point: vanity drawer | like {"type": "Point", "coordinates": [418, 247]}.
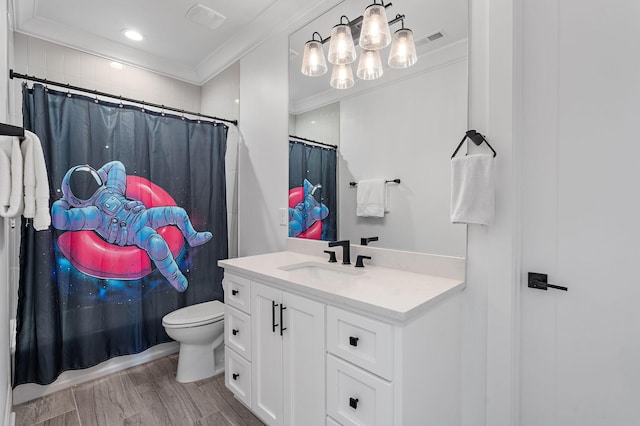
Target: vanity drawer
{"type": "Point", "coordinates": [355, 397]}
{"type": "Point", "coordinates": [237, 331]}
{"type": "Point", "coordinates": [237, 376]}
{"type": "Point", "coordinates": [237, 292]}
{"type": "Point", "coordinates": [364, 341]}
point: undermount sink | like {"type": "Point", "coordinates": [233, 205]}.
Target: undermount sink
{"type": "Point", "coordinates": [321, 271]}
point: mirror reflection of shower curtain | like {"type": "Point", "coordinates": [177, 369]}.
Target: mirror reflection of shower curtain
{"type": "Point", "coordinates": [97, 283]}
{"type": "Point", "coordinates": [312, 191]}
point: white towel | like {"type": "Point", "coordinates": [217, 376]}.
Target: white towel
{"type": "Point", "coordinates": [371, 198]}
{"type": "Point", "coordinates": [36, 182]}
{"type": "Point", "coordinates": [472, 189]}
{"type": "Point", "coordinates": [10, 177]}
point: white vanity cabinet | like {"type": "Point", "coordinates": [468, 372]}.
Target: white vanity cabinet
{"type": "Point", "coordinates": [280, 372]}
{"type": "Point", "coordinates": [379, 349]}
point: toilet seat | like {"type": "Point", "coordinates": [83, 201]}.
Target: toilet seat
{"type": "Point", "coordinates": [195, 315]}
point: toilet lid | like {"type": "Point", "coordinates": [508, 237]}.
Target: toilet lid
{"type": "Point", "coordinates": [198, 314]}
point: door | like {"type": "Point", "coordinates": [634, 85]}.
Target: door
{"type": "Point", "coordinates": [266, 355]}
{"type": "Point", "coordinates": [303, 361]}
{"type": "Point", "coordinates": [580, 349]}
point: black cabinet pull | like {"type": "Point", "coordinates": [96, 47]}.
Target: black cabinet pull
{"type": "Point", "coordinates": [234, 292]}
{"type": "Point", "coordinates": [235, 376]}
{"type": "Point", "coordinates": [235, 331]}
{"type": "Point", "coordinates": [282, 308]}
{"type": "Point", "coordinates": [353, 403]}
{"type": "Point", "coordinates": [353, 341]}
{"type": "Point", "coordinates": [273, 316]}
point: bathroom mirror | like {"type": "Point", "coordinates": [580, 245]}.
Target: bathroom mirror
{"type": "Point", "coordinates": [403, 125]}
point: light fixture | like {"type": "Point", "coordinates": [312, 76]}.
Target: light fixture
{"type": "Point", "coordinates": [342, 77]}
{"type": "Point", "coordinates": [313, 63]}
{"type": "Point", "coordinates": [132, 35]}
{"type": "Point", "coordinates": [371, 32]}
{"type": "Point", "coordinates": [116, 65]}
{"type": "Point", "coordinates": [375, 34]}
{"type": "Point", "coordinates": [403, 49]}
{"type": "Point", "coordinates": [370, 65]}
{"type": "Point", "coordinates": [341, 48]}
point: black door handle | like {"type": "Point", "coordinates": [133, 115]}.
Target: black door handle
{"type": "Point", "coordinates": [282, 308]}
{"type": "Point", "coordinates": [353, 403]}
{"type": "Point", "coordinates": [273, 316]}
{"type": "Point", "coordinates": [353, 341]}
{"type": "Point", "coordinates": [539, 281]}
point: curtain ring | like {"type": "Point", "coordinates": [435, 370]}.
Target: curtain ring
{"type": "Point", "coordinates": [120, 104]}
{"type": "Point", "coordinates": [183, 115]}
{"type": "Point", "coordinates": [143, 104]}
{"type": "Point", "coordinates": [162, 111]}
{"type": "Point", "coordinates": [96, 99]}
{"type": "Point", "coordinates": [46, 88]}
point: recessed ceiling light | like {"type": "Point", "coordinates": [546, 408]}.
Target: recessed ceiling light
{"type": "Point", "coordinates": [132, 35]}
{"type": "Point", "coordinates": [117, 65]}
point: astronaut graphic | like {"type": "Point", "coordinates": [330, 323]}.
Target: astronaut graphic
{"type": "Point", "coordinates": [95, 200]}
{"type": "Point", "coordinates": [307, 211]}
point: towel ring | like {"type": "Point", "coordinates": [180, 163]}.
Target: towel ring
{"type": "Point", "coordinates": [477, 139]}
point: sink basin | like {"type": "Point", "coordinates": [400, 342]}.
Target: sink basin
{"type": "Point", "coordinates": [321, 271]}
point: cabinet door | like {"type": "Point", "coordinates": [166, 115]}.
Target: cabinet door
{"type": "Point", "coordinates": [266, 354]}
{"type": "Point", "coordinates": [303, 361]}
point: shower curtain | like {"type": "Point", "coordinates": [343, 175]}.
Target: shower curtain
{"type": "Point", "coordinates": [312, 191]}
{"type": "Point", "coordinates": [139, 222]}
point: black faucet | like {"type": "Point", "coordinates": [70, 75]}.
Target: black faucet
{"type": "Point", "coordinates": [359, 263]}
{"type": "Point", "coordinates": [346, 257]}
{"type": "Point", "coordinates": [366, 241]}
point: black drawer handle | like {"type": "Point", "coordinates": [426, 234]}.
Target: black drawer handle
{"type": "Point", "coordinates": [234, 292]}
{"type": "Point", "coordinates": [235, 376]}
{"type": "Point", "coordinates": [235, 331]}
{"type": "Point", "coordinates": [282, 329]}
{"type": "Point", "coordinates": [273, 316]}
{"type": "Point", "coordinates": [353, 341]}
{"type": "Point", "coordinates": [353, 403]}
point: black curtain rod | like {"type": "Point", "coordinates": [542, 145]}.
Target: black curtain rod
{"type": "Point", "coordinates": [312, 141]}
{"type": "Point", "coordinates": [109, 95]}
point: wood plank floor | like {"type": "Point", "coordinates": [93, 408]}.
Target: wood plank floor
{"type": "Point", "coordinates": [147, 395]}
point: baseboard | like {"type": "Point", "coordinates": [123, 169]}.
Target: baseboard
{"type": "Point", "coordinates": [30, 391]}
{"type": "Point", "coordinates": [9, 417]}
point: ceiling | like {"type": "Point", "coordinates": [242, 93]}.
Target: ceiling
{"type": "Point", "coordinates": [172, 45]}
{"type": "Point", "coordinates": [423, 17]}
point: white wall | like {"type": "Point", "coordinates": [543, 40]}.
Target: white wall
{"type": "Point", "coordinates": [321, 124]}
{"type": "Point", "coordinates": [263, 161]}
{"type": "Point", "coordinates": [220, 97]}
{"type": "Point", "coordinates": [405, 130]}
{"type": "Point", "coordinates": [5, 360]}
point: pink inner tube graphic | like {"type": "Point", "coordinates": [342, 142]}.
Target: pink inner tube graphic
{"type": "Point", "coordinates": [314, 232]}
{"type": "Point", "coordinates": [90, 254]}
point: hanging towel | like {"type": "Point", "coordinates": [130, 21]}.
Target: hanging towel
{"type": "Point", "coordinates": [10, 177]}
{"type": "Point", "coordinates": [371, 198]}
{"type": "Point", "coordinates": [472, 192]}
{"type": "Point", "coordinates": [36, 182]}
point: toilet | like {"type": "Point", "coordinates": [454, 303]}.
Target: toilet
{"type": "Point", "coordinates": [199, 329]}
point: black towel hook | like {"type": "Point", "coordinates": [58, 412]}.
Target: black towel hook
{"type": "Point", "coordinates": [477, 139]}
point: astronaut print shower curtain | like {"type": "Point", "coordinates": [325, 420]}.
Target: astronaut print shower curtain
{"type": "Point", "coordinates": [139, 221]}
{"type": "Point", "coordinates": [312, 191]}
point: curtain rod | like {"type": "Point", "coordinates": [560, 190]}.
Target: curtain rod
{"type": "Point", "coordinates": [312, 141]}
{"type": "Point", "coordinates": [109, 95]}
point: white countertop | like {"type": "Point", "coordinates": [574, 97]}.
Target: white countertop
{"type": "Point", "coordinates": [392, 293]}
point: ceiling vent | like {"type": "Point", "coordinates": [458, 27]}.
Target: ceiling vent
{"type": "Point", "coordinates": [202, 15]}
{"type": "Point", "coordinates": [435, 36]}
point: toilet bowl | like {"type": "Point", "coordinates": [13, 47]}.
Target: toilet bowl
{"type": "Point", "coordinates": [199, 329]}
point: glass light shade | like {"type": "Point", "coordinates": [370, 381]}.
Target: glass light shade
{"type": "Point", "coordinates": [375, 34]}
{"type": "Point", "coordinates": [403, 49]}
{"type": "Point", "coordinates": [370, 66]}
{"type": "Point", "coordinates": [342, 76]}
{"type": "Point", "coordinates": [313, 62]}
{"type": "Point", "coordinates": [341, 48]}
